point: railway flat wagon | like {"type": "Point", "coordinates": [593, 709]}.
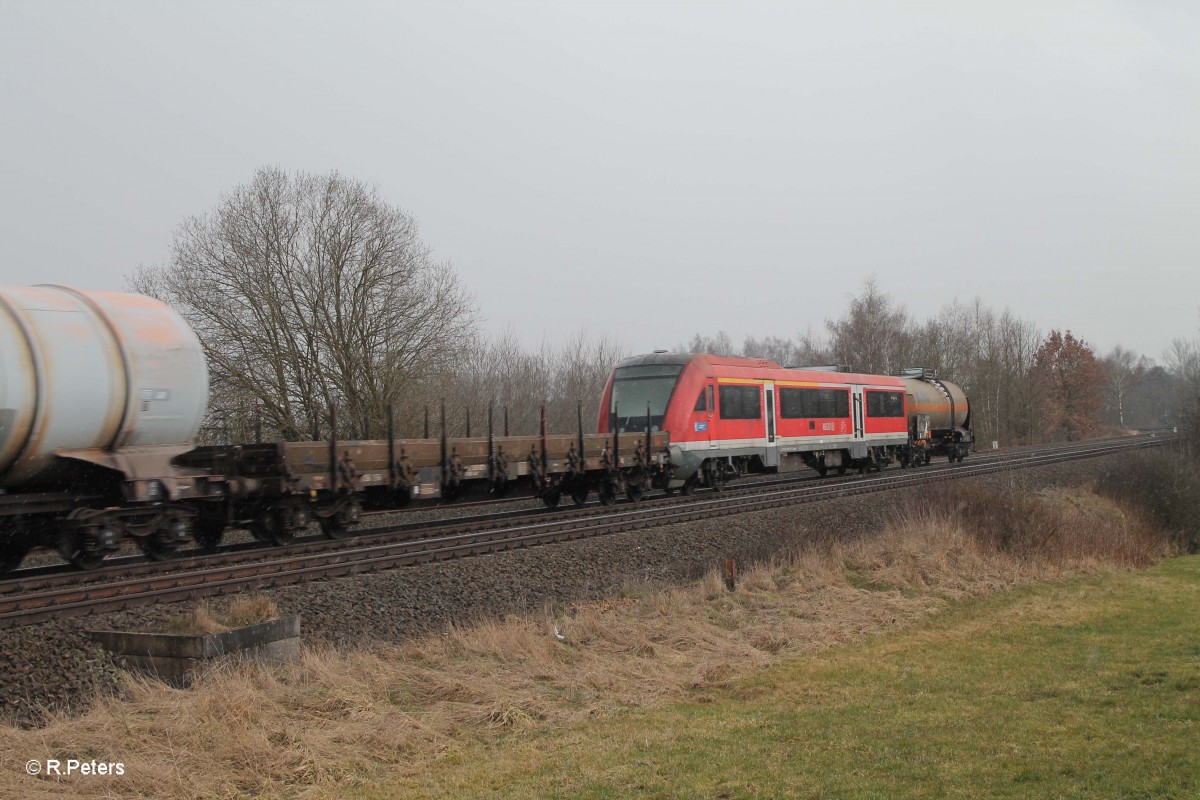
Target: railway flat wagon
{"type": "Point", "coordinates": [277, 489]}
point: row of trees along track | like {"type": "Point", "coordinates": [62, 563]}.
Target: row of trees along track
{"type": "Point", "coordinates": [38, 599]}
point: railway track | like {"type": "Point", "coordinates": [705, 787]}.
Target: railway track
{"type": "Point", "coordinates": [42, 578]}
{"type": "Point", "coordinates": [33, 599]}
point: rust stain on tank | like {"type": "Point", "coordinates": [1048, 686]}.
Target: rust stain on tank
{"type": "Point", "coordinates": [151, 320]}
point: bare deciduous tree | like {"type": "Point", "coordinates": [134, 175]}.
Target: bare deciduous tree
{"type": "Point", "coordinates": [1121, 371]}
{"type": "Point", "coordinates": [501, 374]}
{"type": "Point", "coordinates": [991, 356]}
{"type": "Point", "coordinates": [310, 293]}
{"type": "Point", "coordinates": [874, 335]}
{"type": "Point", "coordinates": [719, 345]}
{"type": "Point", "coordinates": [1183, 360]}
{"type": "Point", "coordinates": [781, 351]}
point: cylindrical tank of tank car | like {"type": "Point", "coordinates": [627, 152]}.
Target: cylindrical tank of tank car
{"type": "Point", "coordinates": [945, 403]}
{"type": "Point", "coordinates": [81, 370]}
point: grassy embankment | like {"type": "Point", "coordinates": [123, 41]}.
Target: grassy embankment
{"type": "Point", "coordinates": [1089, 688]}
{"type": "Point", "coordinates": [1086, 685]}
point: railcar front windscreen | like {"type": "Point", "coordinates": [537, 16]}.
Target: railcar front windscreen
{"type": "Point", "coordinates": [636, 387]}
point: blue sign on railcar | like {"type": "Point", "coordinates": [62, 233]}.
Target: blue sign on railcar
{"type": "Point", "coordinates": [701, 426]}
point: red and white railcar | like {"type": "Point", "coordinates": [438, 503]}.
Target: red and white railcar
{"type": "Point", "coordinates": [727, 416]}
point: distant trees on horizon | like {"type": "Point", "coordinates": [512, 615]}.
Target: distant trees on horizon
{"type": "Point", "coordinates": [1025, 386]}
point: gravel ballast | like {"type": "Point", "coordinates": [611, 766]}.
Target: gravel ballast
{"type": "Point", "coordinates": [56, 666]}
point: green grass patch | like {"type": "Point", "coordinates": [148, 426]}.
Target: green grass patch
{"type": "Point", "coordinates": [1083, 689]}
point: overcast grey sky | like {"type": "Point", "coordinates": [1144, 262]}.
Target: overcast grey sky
{"type": "Point", "coordinates": [646, 170]}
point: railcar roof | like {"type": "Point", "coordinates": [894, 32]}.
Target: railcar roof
{"type": "Point", "coordinates": [763, 364]}
{"type": "Point", "coordinates": [656, 358]}
{"type": "Point", "coordinates": [684, 358]}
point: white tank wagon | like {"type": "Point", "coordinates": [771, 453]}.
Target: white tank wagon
{"type": "Point", "coordinates": [99, 391]}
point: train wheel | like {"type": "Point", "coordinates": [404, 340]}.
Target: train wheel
{"type": "Point", "coordinates": [271, 526]}
{"type": "Point", "coordinates": [72, 546]}
{"type": "Point", "coordinates": [579, 496]}
{"type": "Point", "coordinates": [334, 527]}
{"type": "Point", "coordinates": [606, 494]}
{"type": "Point", "coordinates": [822, 470]}
{"type": "Point", "coordinates": [210, 527]}
{"type": "Point", "coordinates": [634, 492]}
{"type": "Point", "coordinates": [841, 469]}
{"type": "Point", "coordinates": [163, 542]}
{"type": "Point", "coordinates": [928, 457]}
{"type": "Point", "coordinates": [551, 499]}
{"type": "Point", "coordinates": [689, 485]}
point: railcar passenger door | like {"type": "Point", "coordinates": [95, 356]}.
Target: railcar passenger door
{"type": "Point", "coordinates": [703, 413]}
{"type": "Point", "coordinates": [769, 391]}
{"type": "Point", "coordinates": [771, 457]}
{"type": "Point", "coordinates": [711, 392]}
{"type": "Point", "coordinates": [858, 447]}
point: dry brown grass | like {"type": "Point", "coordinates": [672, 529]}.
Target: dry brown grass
{"type": "Point", "coordinates": [209, 618]}
{"type": "Point", "coordinates": [339, 720]}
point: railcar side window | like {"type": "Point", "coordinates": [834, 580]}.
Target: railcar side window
{"type": "Point", "coordinates": [700, 404]}
{"type": "Point", "coordinates": [740, 402]}
{"type": "Point", "coordinates": [835, 402]}
{"type": "Point", "coordinates": [813, 403]}
{"type": "Point", "coordinates": [885, 404]}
